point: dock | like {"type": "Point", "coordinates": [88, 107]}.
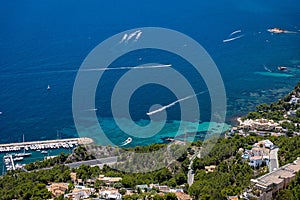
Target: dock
{"type": "Point", "coordinates": [45, 144]}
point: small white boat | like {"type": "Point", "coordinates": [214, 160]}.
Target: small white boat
{"type": "Point", "coordinates": [22, 154]}
{"type": "Point", "coordinates": [18, 158]}
{"type": "Point", "coordinates": [282, 68]}
{"type": "Point", "coordinates": [44, 152]}
{"type": "Point", "coordinates": [127, 141]}
{"type": "Point", "coordinates": [48, 88]}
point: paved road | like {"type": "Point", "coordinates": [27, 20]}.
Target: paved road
{"type": "Point", "coordinates": [273, 160]}
{"type": "Point", "coordinates": [191, 174]}
{"type": "Point", "coordinates": [190, 177]}
{"type": "Point", "coordinates": [101, 161]}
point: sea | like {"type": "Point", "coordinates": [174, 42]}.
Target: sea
{"type": "Point", "coordinates": [45, 42]}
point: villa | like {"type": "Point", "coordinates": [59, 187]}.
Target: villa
{"type": "Point", "coordinates": [58, 189]}
{"type": "Point", "coordinates": [211, 168]}
{"type": "Point", "coordinates": [259, 154]}
{"type": "Point", "coordinates": [294, 100]}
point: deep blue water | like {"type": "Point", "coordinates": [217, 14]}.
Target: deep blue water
{"type": "Point", "coordinates": [45, 42]}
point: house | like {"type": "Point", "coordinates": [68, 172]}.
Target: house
{"type": "Point", "coordinates": [292, 113]}
{"type": "Point", "coordinates": [111, 195]}
{"type": "Point", "coordinates": [211, 168]}
{"type": "Point", "coordinates": [271, 183]}
{"type": "Point", "coordinates": [232, 198]}
{"type": "Point", "coordinates": [164, 188]}
{"type": "Point", "coordinates": [58, 189]}
{"type": "Point", "coordinates": [183, 196]}
{"type": "Point", "coordinates": [77, 196]}
{"type": "Point", "coordinates": [73, 177]}
{"type": "Point", "coordinates": [109, 180]}
{"type": "Point", "coordinates": [153, 185]}
{"type": "Point", "coordinates": [142, 187]}
{"type": "Point", "coordinates": [267, 144]}
{"type": "Point", "coordinates": [82, 189]}
{"type": "Point", "coordinates": [256, 161]}
{"type": "Point", "coordinates": [294, 100]}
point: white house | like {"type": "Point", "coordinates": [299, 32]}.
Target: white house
{"type": "Point", "coordinates": [256, 161]}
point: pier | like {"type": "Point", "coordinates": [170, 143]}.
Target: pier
{"type": "Point", "coordinates": [45, 144]}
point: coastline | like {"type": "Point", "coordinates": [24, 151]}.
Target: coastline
{"type": "Point", "coordinates": [80, 141]}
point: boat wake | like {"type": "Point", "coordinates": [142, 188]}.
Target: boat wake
{"type": "Point", "coordinates": [173, 103]}
{"type": "Point", "coordinates": [92, 109]}
{"type": "Point", "coordinates": [126, 68]}
{"type": "Point", "coordinates": [267, 69]}
{"type": "Point", "coordinates": [127, 141]}
{"type": "Point", "coordinates": [234, 32]}
{"type": "Point", "coordinates": [235, 38]}
{"type": "Point", "coordinates": [126, 38]}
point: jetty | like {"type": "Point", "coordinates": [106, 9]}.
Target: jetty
{"type": "Point", "coordinates": [45, 144]}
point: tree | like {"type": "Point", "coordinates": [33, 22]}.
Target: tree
{"type": "Point", "coordinates": [180, 178]}
{"type": "Point", "coordinates": [170, 196]}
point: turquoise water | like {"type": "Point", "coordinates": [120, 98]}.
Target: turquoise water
{"type": "Point", "coordinates": [45, 42]}
{"type": "Point", "coordinates": [35, 156]}
{"type": "Point", "coordinates": [272, 74]}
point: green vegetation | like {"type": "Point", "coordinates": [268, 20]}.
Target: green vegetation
{"type": "Point", "coordinates": [232, 174]}
{"type": "Point", "coordinates": [79, 154]}
{"type": "Point", "coordinates": [289, 149]}
{"type": "Point", "coordinates": [277, 110]}
{"type": "Point", "coordinates": [230, 178]}
{"type": "Point", "coordinates": [22, 185]}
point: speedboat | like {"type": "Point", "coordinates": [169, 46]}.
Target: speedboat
{"type": "Point", "coordinates": [22, 154]}
{"type": "Point", "coordinates": [277, 30]}
{"type": "Point", "coordinates": [282, 68]}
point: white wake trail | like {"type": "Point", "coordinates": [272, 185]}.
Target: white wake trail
{"type": "Point", "coordinates": [231, 39]}
{"type": "Point", "coordinates": [267, 69]}
{"type": "Point", "coordinates": [133, 34]}
{"type": "Point", "coordinates": [127, 141]}
{"type": "Point", "coordinates": [235, 32]}
{"type": "Point", "coordinates": [124, 38]}
{"type": "Point", "coordinates": [125, 68]}
{"type": "Point", "coordinates": [173, 103]}
{"type": "Point", "coordinates": [138, 36]}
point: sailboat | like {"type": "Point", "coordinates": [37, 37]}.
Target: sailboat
{"type": "Point", "coordinates": [24, 154]}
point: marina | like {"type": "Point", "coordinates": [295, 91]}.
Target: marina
{"type": "Point", "coordinates": [43, 145]}
{"type": "Point", "coordinates": [16, 155]}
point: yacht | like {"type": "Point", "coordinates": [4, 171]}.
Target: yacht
{"type": "Point", "coordinates": [22, 154]}
{"type": "Point", "coordinates": [44, 152]}
{"type": "Point", "coordinates": [277, 30]}
{"type": "Point", "coordinates": [18, 158]}
{"type": "Point", "coordinates": [282, 68]}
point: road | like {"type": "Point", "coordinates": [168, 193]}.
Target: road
{"type": "Point", "coordinates": [190, 175]}
{"type": "Point", "coordinates": [273, 160]}
{"type": "Point", "coordinates": [99, 162]}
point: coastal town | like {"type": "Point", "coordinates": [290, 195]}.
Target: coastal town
{"type": "Point", "coordinates": [150, 100]}
{"type": "Point", "coordinates": [270, 172]}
